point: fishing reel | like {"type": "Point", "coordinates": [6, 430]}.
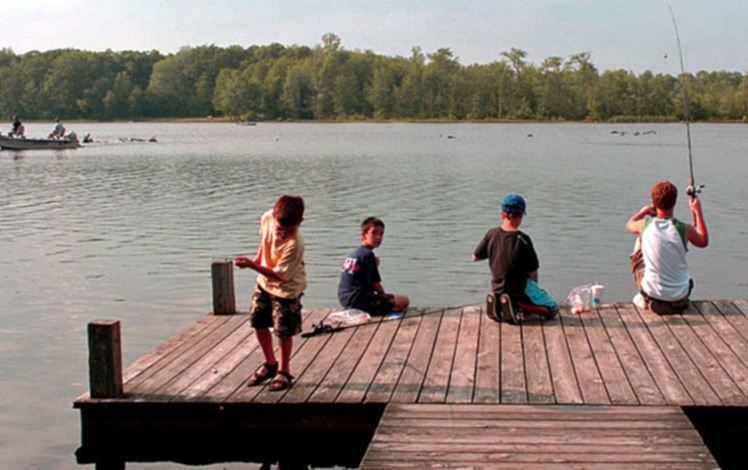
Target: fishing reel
{"type": "Point", "coordinates": [692, 190]}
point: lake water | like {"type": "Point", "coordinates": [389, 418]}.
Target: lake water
{"type": "Point", "coordinates": [127, 230]}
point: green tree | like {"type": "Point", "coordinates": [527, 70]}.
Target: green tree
{"type": "Point", "coordinates": [410, 95]}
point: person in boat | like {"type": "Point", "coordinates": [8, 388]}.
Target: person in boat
{"type": "Point", "coordinates": [658, 262]}
{"type": "Point", "coordinates": [360, 285]}
{"type": "Point", "coordinates": [17, 129]}
{"type": "Point", "coordinates": [58, 132]}
{"type": "Point", "coordinates": [281, 280]}
{"type": "Point", "coordinates": [514, 267]}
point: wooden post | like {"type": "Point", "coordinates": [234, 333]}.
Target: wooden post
{"type": "Point", "coordinates": [104, 359]}
{"type": "Point", "coordinates": [224, 301]}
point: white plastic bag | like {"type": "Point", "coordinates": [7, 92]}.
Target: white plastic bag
{"type": "Point", "coordinates": [585, 297]}
{"type": "Point", "coordinates": [348, 317]}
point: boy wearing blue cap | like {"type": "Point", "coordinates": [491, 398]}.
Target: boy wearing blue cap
{"type": "Point", "coordinates": [514, 267]}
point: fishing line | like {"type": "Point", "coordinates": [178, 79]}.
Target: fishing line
{"type": "Point", "coordinates": [692, 189]}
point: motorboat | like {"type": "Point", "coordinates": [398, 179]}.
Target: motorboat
{"type": "Point", "coordinates": [22, 143]}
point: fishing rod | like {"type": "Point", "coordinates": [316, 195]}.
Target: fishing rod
{"type": "Point", "coordinates": [692, 188]}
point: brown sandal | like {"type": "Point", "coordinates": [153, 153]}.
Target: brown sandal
{"type": "Point", "coordinates": [282, 381]}
{"type": "Point", "coordinates": [265, 372]}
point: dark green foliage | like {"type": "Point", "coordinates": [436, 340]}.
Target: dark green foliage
{"type": "Point", "coordinates": [277, 82]}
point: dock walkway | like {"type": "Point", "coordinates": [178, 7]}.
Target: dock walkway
{"type": "Point", "coordinates": [615, 355]}
{"type": "Point", "coordinates": [530, 437]}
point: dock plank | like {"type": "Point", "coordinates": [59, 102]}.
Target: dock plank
{"type": "Point", "coordinates": [462, 378]}
{"type": "Point", "coordinates": [436, 381]}
{"type": "Point", "coordinates": [537, 368]}
{"type": "Point", "coordinates": [487, 381]}
{"type": "Point", "coordinates": [485, 436]}
{"type": "Point", "coordinates": [565, 385]}
{"type": "Point", "coordinates": [384, 383]}
{"type": "Point", "coordinates": [345, 363]}
{"type": "Point", "coordinates": [512, 364]}
{"type": "Point", "coordinates": [710, 355]}
{"type": "Point", "coordinates": [655, 359]}
{"type": "Point", "coordinates": [639, 376]}
{"type": "Point", "coordinates": [608, 362]}
{"type": "Point", "coordinates": [171, 365]}
{"type": "Point", "coordinates": [585, 368]}
{"type": "Point", "coordinates": [360, 380]}
{"type": "Point", "coordinates": [411, 380]}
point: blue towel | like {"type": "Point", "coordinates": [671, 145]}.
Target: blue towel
{"type": "Point", "coordinates": [538, 296]}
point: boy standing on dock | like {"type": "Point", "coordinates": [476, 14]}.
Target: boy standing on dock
{"type": "Point", "coordinates": [658, 262]}
{"type": "Point", "coordinates": [514, 267]}
{"type": "Point", "coordinates": [281, 281]}
{"type": "Point", "coordinates": [360, 284]}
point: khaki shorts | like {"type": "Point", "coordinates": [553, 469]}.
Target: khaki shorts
{"type": "Point", "coordinates": [269, 311]}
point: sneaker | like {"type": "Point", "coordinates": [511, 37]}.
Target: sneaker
{"type": "Point", "coordinates": [640, 301]}
{"type": "Point", "coordinates": [491, 307]}
{"type": "Point", "coordinates": [508, 314]}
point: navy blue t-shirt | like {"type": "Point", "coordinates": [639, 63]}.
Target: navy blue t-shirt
{"type": "Point", "coordinates": [358, 275]}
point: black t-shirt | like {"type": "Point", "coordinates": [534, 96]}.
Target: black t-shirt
{"type": "Point", "coordinates": [511, 258]}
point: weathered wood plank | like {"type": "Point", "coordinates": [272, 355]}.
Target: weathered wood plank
{"type": "Point", "coordinates": [585, 367]}
{"type": "Point", "coordinates": [512, 365]}
{"type": "Point", "coordinates": [435, 383]}
{"type": "Point", "coordinates": [537, 369]}
{"type": "Point", "coordinates": [235, 384]}
{"type": "Point", "coordinates": [330, 348]}
{"type": "Point", "coordinates": [168, 367]}
{"type": "Point", "coordinates": [487, 381]}
{"type": "Point", "coordinates": [383, 385]}
{"type": "Point", "coordinates": [227, 375]}
{"type": "Point", "coordinates": [639, 376]}
{"type": "Point", "coordinates": [608, 362]}
{"type": "Point", "coordinates": [565, 385]}
{"type": "Point", "coordinates": [709, 354]}
{"type": "Point", "coordinates": [206, 364]}
{"type": "Point", "coordinates": [462, 378]}
{"type": "Point", "coordinates": [654, 358]}
{"type": "Point", "coordinates": [304, 353]}
{"type": "Point", "coordinates": [358, 340]}
{"type": "Point", "coordinates": [486, 436]}
{"type": "Point", "coordinates": [414, 372]}
{"type": "Point", "coordinates": [202, 327]}
{"type": "Point", "coordinates": [691, 379]}
{"type": "Point", "coordinates": [359, 381]}
{"type": "Point", "coordinates": [724, 328]}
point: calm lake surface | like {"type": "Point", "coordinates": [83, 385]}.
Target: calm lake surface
{"type": "Point", "coordinates": [128, 230]}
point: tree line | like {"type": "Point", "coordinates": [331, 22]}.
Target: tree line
{"type": "Point", "coordinates": [329, 82]}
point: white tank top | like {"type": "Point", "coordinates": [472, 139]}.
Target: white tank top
{"type": "Point", "coordinates": [664, 252]}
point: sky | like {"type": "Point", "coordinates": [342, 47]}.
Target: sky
{"type": "Point", "coordinates": [634, 35]}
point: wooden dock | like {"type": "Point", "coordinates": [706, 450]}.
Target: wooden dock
{"type": "Point", "coordinates": [614, 356]}
{"type": "Point", "coordinates": [536, 436]}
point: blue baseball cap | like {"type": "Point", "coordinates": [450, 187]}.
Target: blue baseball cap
{"type": "Point", "coordinates": [513, 204]}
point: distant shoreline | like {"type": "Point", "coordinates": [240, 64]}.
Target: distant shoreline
{"type": "Point", "coordinates": [223, 120]}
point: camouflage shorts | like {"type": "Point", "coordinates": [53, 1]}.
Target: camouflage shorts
{"type": "Point", "coordinates": [269, 311]}
{"type": "Point", "coordinates": [380, 305]}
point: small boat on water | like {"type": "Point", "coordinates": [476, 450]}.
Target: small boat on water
{"type": "Point", "coordinates": [11, 143]}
